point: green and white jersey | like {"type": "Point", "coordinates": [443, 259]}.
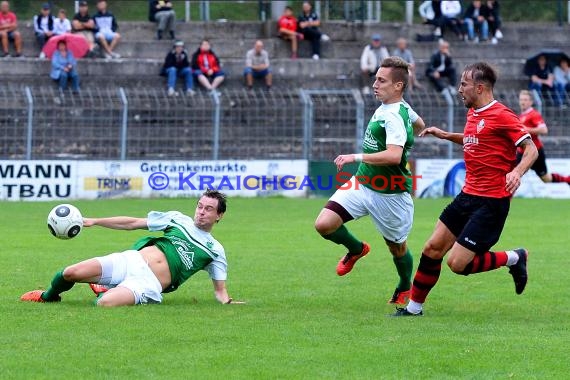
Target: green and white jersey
{"type": "Point", "coordinates": [187, 248]}
{"type": "Point", "coordinates": [391, 124]}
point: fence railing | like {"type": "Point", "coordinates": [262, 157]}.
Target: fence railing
{"type": "Point", "coordinates": [146, 123]}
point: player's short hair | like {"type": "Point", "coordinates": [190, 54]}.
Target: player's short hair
{"type": "Point", "coordinates": [482, 72]}
{"type": "Point", "coordinates": [400, 70]}
{"type": "Point", "coordinates": [525, 92]}
{"type": "Point", "coordinates": [221, 197]}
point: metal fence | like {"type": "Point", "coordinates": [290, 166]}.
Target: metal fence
{"type": "Point", "coordinates": [146, 123]}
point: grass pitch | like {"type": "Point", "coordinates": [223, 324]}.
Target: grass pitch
{"type": "Point", "coordinates": [301, 320]}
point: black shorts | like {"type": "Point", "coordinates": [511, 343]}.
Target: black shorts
{"type": "Point", "coordinates": [477, 222]}
{"type": "Point", "coordinates": [539, 165]}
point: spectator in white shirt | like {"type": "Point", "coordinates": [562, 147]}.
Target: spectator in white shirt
{"type": "Point", "coordinates": [61, 24]}
{"type": "Point", "coordinates": [257, 65]}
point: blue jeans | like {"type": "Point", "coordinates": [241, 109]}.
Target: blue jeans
{"type": "Point", "coordinates": [561, 90]}
{"type": "Point", "coordinates": [172, 73]}
{"type": "Point", "coordinates": [64, 78]}
{"type": "Point", "coordinates": [483, 26]}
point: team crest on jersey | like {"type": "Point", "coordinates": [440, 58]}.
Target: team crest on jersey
{"type": "Point", "coordinates": [481, 125]}
{"type": "Point", "coordinates": [210, 244]}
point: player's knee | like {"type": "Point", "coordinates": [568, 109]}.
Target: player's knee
{"type": "Point", "coordinates": [456, 266]}
{"type": "Point", "coordinates": [433, 250]}
{"type": "Point", "coordinates": [322, 226]}
{"type": "Point", "coordinates": [70, 273]}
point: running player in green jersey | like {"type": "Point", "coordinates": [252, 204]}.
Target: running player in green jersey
{"type": "Point", "coordinates": [154, 265]}
{"type": "Point", "coordinates": [382, 185]}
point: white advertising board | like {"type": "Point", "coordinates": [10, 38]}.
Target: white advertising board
{"type": "Point", "coordinates": [51, 180]}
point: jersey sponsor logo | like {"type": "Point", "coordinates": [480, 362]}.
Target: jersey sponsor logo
{"type": "Point", "coordinates": [481, 125]}
{"type": "Point", "coordinates": [468, 141]}
{"type": "Point", "coordinates": [370, 141]}
{"type": "Point", "coordinates": [184, 250]}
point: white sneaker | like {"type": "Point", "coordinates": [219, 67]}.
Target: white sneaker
{"type": "Point", "coordinates": [107, 56]}
{"type": "Point", "coordinates": [325, 38]}
{"type": "Point", "coordinates": [437, 32]}
{"type": "Point", "coordinates": [190, 92]}
{"type": "Point", "coordinates": [498, 34]}
{"type": "Point", "coordinates": [42, 55]}
{"type": "Point", "coordinates": [366, 90]}
{"type": "Point", "coordinates": [171, 91]}
{"type": "Point", "coordinates": [115, 55]}
{"type": "Point", "coordinates": [494, 40]}
{"type": "Point", "coordinates": [316, 57]}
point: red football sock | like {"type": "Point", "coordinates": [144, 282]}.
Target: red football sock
{"type": "Point", "coordinates": [486, 262]}
{"type": "Point", "coordinates": [426, 277]}
{"type": "Point", "coordinates": [560, 178]}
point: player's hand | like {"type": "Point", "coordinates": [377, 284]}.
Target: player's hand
{"type": "Point", "coordinates": [88, 222]}
{"type": "Point", "coordinates": [434, 131]}
{"type": "Point", "coordinates": [343, 159]}
{"type": "Point", "coordinates": [513, 181]}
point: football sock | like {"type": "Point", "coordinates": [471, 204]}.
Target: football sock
{"type": "Point", "coordinates": [486, 262]}
{"type": "Point", "coordinates": [404, 266]}
{"type": "Point", "coordinates": [512, 258]}
{"type": "Point", "coordinates": [58, 285]}
{"type": "Point", "coordinates": [425, 279]}
{"type": "Point", "coordinates": [344, 237]}
{"type": "Point", "coordinates": [560, 178]}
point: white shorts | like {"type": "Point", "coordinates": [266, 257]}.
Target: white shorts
{"type": "Point", "coordinates": [129, 270]}
{"type": "Point", "coordinates": [393, 214]}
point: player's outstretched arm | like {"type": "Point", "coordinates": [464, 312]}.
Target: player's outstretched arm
{"type": "Point", "coordinates": [418, 126]}
{"type": "Point", "coordinates": [117, 223]}
{"type": "Point", "coordinates": [530, 154]}
{"type": "Point", "coordinates": [221, 293]}
{"type": "Point", "coordinates": [441, 134]}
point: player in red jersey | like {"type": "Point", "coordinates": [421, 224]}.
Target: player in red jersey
{"type": "Point", "coordinates": [472, 223]}
{"type": "Point", "coordinates": [536, 126]}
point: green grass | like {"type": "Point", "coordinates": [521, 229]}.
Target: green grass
{"type": "Point", "coordinates": [301, 321]}
{"type": "Point", "coordinates": [392, 11]}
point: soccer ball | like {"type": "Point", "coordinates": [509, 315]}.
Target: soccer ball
{"type": "Point", "coordinates": [65, 221]}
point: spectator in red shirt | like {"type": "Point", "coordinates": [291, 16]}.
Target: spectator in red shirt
{"type": "Point", "coordinates": [9, 30]}
{"type": "Point", "coordinates": [287, 25]}
{"type": "Point", "coordinates": [206, 66]}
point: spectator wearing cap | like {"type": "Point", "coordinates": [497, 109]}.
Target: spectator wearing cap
{"type": "Point", "coordinates": [257, 65]}
{"type": "Point", "coordinates": [85, 25]}
{"type": "Point", "coordinates": [370, 60]}
{"type": "Point", "coordinates": [177, 65]}
{"type": "Point", "coordinates": [43, 26]}
{"type": "Point", "coordinates": [61, 24]}
{"type": "Point", "coordinates": [162, 12]}
{"type": "Point", "coordinates": [206, 67]}
{"type": "Point", "coordinates": [106, 35]}
{"type": "Point", "coordinates": [9, 30]}
{"type": "Point", "coordinates": [64, 67]}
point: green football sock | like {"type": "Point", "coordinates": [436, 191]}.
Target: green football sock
{"type": "Point", "coordinates": [404, 266]}
{"type": "Point", "coordinates": [58, 285]}
{"type": "Point", "coordinates": [344, 237]}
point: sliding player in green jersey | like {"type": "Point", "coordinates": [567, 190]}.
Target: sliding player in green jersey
{"type": "Point", "coordinates": [382, 185]}
{"type": "Point", "coordinates": [155, 264]}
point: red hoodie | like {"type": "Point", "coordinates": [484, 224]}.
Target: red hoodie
{"type": "Point", "coordinates": [207, 60]}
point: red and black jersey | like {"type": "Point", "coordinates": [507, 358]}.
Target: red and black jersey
{"type": "Point", "coordinates": [490, 138]}
{"type": "Point", "coordinates": [531, 118]}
